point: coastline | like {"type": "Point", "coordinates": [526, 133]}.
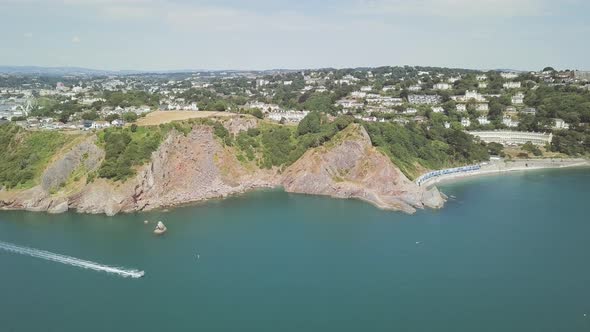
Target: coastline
{"type": "Point", "coordinates": [500, 167]}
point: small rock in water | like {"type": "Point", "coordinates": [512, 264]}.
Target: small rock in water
{"type": "Point", "coordinates": [145, 222]}
{"type": "Point", "coordinates": [160, 228]}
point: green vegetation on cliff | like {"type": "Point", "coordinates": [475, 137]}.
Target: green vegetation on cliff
{"type": "Point", "coordinates": [274, 145]}
{"type": "Point", "coordinates": [434, 148]}
{"type": "Point", "coordinates": [126, 148]}
{"type": "Point", "coordinates": [25, 154]}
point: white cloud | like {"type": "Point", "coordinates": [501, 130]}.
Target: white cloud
{"type": "Point", "coordinates": [456, 8]}
{"type": "Point", "coordinates": [76, 39]}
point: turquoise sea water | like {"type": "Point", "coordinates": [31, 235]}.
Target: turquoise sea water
{"type": "Point", "coordinates": [510, 253]}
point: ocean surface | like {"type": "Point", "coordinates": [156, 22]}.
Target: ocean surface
{"type": "Point", "coordinates": [507, 253]}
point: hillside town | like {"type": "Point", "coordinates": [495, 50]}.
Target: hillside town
{"type": "Point", "coordinates": [454, 98]}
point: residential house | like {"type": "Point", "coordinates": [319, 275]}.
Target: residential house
{"type": "Point", "coordinates": [117, 123]}
{"type": "Point", "coordinates": [560, 124]}
{"type": "Point", "coordinates": [518, 99]}
{"type": "Point", "coordinates": [529, 110]}
{"type": "Point", "coordinates": [512, 85]}
{"type": "Point", "coordinates": [508, 122]}
{"type": "Point", "coordinates": [483, 120]}
{"type": "Point", "coordinates": [465, 122]}
{"type": "Point", "coordinates": [99, 125]}
{"type": "Point", "coordinates": [288, 116]}
{"type": "Point", "coordinates": [441, 86]}
{"type": "Point", "coordinates": [509, 76]}
{"type": "Point", "coordinates": [358, 94]}
{"type": "Point", "coordinates": [482, 107]}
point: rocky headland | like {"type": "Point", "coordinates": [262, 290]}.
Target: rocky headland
{"type": "Point", "coordinates": [196, 166]}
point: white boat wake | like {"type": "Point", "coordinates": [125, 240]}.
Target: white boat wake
{"type": "Point", "coordinates": [70, 260]}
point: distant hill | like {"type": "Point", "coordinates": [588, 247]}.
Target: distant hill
{"type": "Point", "coordinates": [58, 71]}
{"type": "Point", "coordinates": [79, 71]}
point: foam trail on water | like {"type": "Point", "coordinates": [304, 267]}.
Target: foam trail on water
{"type": "Point", "coordinates": [70, 260]}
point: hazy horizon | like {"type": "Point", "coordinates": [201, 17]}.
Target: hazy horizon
{"type": "Point", "coordinates": [176, 35]}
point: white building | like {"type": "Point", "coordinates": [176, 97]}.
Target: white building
{"type": "Point", "coordinates": [99, 125]}
{"type": "Point", "coordinates": [461, 108]}
{"type": "Point", "coordinates": [358, 94]}
{"type": "Point", "coordinates": [384, 101]}
{"type": "Point", "coordinates": [438, 109]}
{"type": "Point", "coordinates": [483, 120]}
{"type": "Point", "coordinates": [508, 122]}
{"type": "Point", "coordinates": [289, 116]}
{"type": "Point", "coordinates": [529, 110]}
{"type": "Point", "coordinates": [261, 82]}
{"type": "Point", "coordinates": [481, 77]}
{"type": "Point", "coordinates": [560, 124]}
{"type": "Point", "coordinates": [509, 76]}
{"type": "Point", "coordinates": [441, 86]}
{"type": "Point", "coordinates": [366, 88]}
{"type": "Point", "coordinates": [506, 137]}
{"type": "Point", "coordinates": [118, 123]}
{"type": "Point", "coordinates": [415, 88]}
{"type": "Point", "coordinates": [518, 99]}
{"type": "Point", "coordinates": [482, 107]}
{"type": "Point", "coordinates": [465, 122]}
{"type": "Point", "coordinates": [350, 104]}
{"type": "Point", "coordinates": [511, 85]}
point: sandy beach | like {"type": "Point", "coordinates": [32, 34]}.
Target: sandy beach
{"type": "Point", "coordinates": [496, 167]}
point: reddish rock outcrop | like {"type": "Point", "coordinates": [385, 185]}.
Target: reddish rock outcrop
{"type": "Point", "coordinates": [350, 167]}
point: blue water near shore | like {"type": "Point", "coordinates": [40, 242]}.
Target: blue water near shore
{"type": "Point", "coordinates": [510, 253]}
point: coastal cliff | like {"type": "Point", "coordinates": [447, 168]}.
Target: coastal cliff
{"type": "Point", "coordinates": [350, 167]}
{"type": "Point", "coordinates": [196, 165]}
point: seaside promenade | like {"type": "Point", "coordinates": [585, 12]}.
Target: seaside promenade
{"type": "Point", "coordinates": [496, 167]}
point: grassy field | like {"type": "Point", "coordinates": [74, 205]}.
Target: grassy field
{"type": "Point", "coordinates": [159, 117]}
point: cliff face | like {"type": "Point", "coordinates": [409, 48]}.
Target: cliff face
{"type": "Point", "coordinates": [197, 167]}
{"type": "Point", "coordinates": [350, 167]}
{"type": "Point", "coordinates": [193, 168]}
{"type": "Point", "coordinates": [184, 169]}
{"type": "Point", "coordinates": [82, 158]}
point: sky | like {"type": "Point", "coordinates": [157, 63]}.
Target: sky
{"type": "Point", "coordinates": [287, 34]}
